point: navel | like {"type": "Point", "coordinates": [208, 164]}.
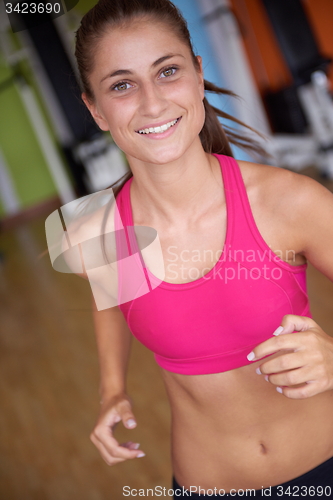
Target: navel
{"type": "Point", "coordinates": [263, 449]}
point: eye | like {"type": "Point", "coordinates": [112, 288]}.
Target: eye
{"type": "Point", "coordinates": [119, 84]}
{"type": "Point", "coordinates": [166, 70]}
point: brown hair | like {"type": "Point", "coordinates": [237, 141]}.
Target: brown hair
{"type": "Point", "coordinates": [108, 14]}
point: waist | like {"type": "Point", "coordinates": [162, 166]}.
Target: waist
{"type": "Point", "coordinates": [244, 432]}
{"type": "Point", "coordinates": [317, 482]}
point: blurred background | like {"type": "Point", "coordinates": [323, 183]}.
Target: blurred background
{"type": "Point", "coordinates": [277, 56]}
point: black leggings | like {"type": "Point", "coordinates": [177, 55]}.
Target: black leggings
{"type": "Point", "coordinates": [317, 483]}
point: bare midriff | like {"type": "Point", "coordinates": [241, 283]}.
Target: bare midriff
{"type": "Point", "coordinates": [234, 430]}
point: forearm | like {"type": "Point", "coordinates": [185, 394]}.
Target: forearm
{"type": "Point", "coordinates": [114, 340]}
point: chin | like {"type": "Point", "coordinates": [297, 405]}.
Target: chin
{"type": "Point", "coordinates": [161, 156]}
{"type": "Point", "coordinates": [166, 155]}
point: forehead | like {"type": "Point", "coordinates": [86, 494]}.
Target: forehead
{"type": "Point", "coordinates": [138, 43]}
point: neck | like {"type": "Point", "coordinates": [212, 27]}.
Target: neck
{"type": "Point", "coordinates": [177, 191]}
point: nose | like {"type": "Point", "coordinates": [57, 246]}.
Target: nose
{"type": "Point", "coordinates": [152, 101]}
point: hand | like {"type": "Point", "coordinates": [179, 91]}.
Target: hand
{"type": "Point", "coordinates": [114, 410]}
{"type": "Point", "coordinates": [310, 363]}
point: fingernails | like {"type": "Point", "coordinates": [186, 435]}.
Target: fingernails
{"type": "Point", "coordinates": [130, 422]}
{"type": "Point", "coordinates": [279, 390]}
{"type": "Point", "coordinates": [141, 454]}
{"type": "Point", "coordinates": [278, 330]}
{"type": "Point", "coordinates": [266, 378]}
{"type": "Point", "coordinates": [258, 371]}
{"type": "Point", "coordinates": [251, 356]}
{"type": "Point", "coordinates": [136, 446]}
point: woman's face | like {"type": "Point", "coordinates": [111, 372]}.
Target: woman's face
{"type": "Point", "coordinates": [156, 83]}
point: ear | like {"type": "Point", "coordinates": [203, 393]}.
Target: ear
{"type": "Point", "coordinates": [201, 77]}
{"type": "Point", "coordinates": [95, 113]}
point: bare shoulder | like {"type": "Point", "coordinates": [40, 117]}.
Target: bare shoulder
{"type": "Point", "coordinates": [278, 188]}
{"type": "Point", "coordinates": [292, 211]}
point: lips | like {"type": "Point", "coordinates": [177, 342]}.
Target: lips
{"type": "Point", "coordinates": [155, 125]}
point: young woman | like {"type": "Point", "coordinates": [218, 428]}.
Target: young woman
{"type": "Point", "coordinates": [250, 409]}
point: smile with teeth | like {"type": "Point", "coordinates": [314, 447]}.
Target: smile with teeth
{"type": "Point", "coordinates": [158, 130]}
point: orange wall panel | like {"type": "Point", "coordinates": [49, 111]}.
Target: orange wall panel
{"type": "Point", "coordinates": [320, 14]}
{"type": "Point", "coordinates": [269, 68]}
{"type": "Point", "coordinates": [268, 65]}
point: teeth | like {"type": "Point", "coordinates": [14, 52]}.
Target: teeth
{"type": "Point", "coordinates": [158, 130]}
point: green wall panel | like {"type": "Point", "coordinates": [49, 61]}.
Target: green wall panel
{"type": "Point", "coordinates": [21, 150]}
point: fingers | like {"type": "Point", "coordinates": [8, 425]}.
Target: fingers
{"type": "Point", "coordinates": [294, 341]}
{"type": "Point", "coordinates": [112, 412]}
{"type": "Point", "coordinates": [111, 457]}
{"type": "Point", "coordinates": [299, 379]}
{"type": "Point", "coordinates": [119, 409]}
{"type": "Point", "coordinates": [292, 322]}
{"type": "Point", "coordinates": [304, 355]}
{"type": "Point", "coordinates": [306, 362]}
{"type": "Point", "coordinates": [284, 362]}
{"type": "Point", "coordinates": [307, 390]}
{"type": "Point", "coordinates": [113, 452]}
{"type": "Point", "coordinates": [108, 458]}
{"type": "Point", "coordinates": [125, 412]}
{"type": "Point", "coordinates": [130, 445]}
{"type": "Point", "coordinates": [290, 378]}
{"type": "Point", "coordinates": [292, 369]}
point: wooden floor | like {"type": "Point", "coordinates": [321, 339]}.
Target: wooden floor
{"type": "Point", "coordinates": [49, 383]}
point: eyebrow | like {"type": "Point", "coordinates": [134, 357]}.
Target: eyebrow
{"type": "Point", "coordinates": [129, 72]}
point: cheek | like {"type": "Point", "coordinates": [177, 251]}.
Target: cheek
{"type": "Point", "coordinates": [189, 98]}
{"type": "Point", "coordinates": [195, 100]}
{"type": "Point", "coordinates": [199, 113]}
{"type": "Point", "coordinates": [116, 114]}
{"type": "Point", "coordinates": [118, 119]}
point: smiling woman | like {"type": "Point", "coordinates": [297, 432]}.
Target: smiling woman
{"type": "Point", "coordinates": [242, 322]}
{"type": "Point", "coordinates": [98, 25]}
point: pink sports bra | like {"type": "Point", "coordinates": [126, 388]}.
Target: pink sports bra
{"type": "Point", "coordinates": [211, 324]}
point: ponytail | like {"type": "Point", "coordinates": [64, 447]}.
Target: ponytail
{"type": "Point", "coordinates": [216, 138]}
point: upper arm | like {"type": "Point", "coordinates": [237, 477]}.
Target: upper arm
{"type": "Point", "coordinates": [90, 253]}
{"type": "Point", "coordinates": [313, 218]}
{"type": "Point", "coordinates": [87, 244]}
{"type": "Point", "coordinates": [72, 253]}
